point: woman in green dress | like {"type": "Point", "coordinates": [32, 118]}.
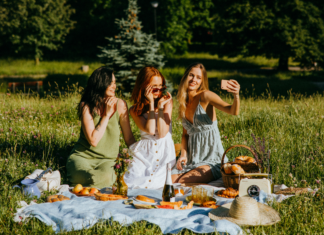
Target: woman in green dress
{"type": "Point", "coordinates": [101, 113]}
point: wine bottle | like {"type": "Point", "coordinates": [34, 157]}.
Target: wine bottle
{"type": "Point", "coordinates": [168, 190]}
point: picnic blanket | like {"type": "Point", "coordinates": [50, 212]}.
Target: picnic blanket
{"type": "Point", "coordinates": [82, 212]}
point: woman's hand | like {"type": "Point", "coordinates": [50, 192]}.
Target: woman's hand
{"type": "Point", "coordinates": [148, 94]}
{"type": "Point", "coordinates": [164, 100]}
{"type": "Point", "coordinates": [110, 104]}
{"type": "Point", "coordinates": [182, 160]}
{"type": "Point", "coordinates": [233, 87]}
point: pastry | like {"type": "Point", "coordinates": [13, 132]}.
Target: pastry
{"type": "Point", "coordinates": [237, 169]}
{"type": "Point", "coordinates": [228, 168]}
{"type": "Point", "coordinates": [179, 203]}
{"type": "Point", "coordinates": [56, 198]}
{"type": "Point", "coordinates": [144, 199]}
{"type": "Point", "coordinates": [228, 193]}
{"type": "Point", "coordinates": [189, 206]}
{"type": "Point", "coordinates": [244, 159]}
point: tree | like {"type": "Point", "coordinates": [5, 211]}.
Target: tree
{"type": "Point", "coordinates": [131, 49]}
{"type": "Point", "coordinates": [274, 28]}
{"type": "Point", "coordinates": [33, 25]}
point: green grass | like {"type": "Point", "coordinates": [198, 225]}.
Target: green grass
{"type": "Point", "coordinates": [40, 132]}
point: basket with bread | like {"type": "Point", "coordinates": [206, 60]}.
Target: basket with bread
{"type": "Point", "coordinates": [242, 164]}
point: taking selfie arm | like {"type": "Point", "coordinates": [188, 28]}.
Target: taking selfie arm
{"type": "Point", "coordinates": [164, 117]}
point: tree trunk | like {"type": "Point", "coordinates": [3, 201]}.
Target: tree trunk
{"type": "Point", "coordinates": [37, 61]}
{"type": "Point", "coordinates": [283, 63]}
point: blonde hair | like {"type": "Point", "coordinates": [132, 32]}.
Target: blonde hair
{"type": "Point", "coordinates": [182, 95]}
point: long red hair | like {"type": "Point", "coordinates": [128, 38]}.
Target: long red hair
{"type": "Point", "coordinates": [141, 104]}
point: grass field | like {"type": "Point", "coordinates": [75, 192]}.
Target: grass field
{"type": "Point", "coordinates": [38, 133]}
{"type": "Point", "coordinates": [285, 108]}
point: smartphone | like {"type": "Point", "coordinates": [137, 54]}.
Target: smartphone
{"type": "Point", "coordinates": [224, 84]}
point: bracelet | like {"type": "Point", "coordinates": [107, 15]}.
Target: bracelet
{"type": "Point", "coordinates": [161, 109]}
{"type": "Point", "coordinates": [236, 96]}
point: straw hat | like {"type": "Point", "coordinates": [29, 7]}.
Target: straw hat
{"type": "Point", "coordinates": [246, 211]}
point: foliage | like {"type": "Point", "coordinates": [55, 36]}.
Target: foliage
{"type": "Point", "coordinates": [274, 28]}
{"type": "Point", "coordinates": [32, 25]}
{"type": "Point", "coordinates": [262, 155]}
{"type": "Point", "coordinates": [131, 49]}
{"type": "Point", "coordinates": [122, 162]}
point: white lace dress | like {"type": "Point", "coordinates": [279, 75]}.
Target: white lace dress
{"type": "Point", "coordinates": [151, 155]}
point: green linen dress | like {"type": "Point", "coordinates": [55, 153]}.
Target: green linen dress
{"type": "Point", "coordinates": [93, 166]}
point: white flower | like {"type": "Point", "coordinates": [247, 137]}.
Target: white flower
{"type": "Point", "coordinates": [125, 150]}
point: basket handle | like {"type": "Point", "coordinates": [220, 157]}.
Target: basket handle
{"type": "Point", "coordinates": [238, 146]}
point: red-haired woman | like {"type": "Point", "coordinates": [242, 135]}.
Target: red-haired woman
{"type": "Point", "coordinates": [152, 114]}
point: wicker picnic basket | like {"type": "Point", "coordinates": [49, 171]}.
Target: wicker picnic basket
{"type": "Point", "coordinates": [233, 180]}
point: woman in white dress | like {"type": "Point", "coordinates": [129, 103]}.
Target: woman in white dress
{"type": "Point", "coordinates": [152, 114]}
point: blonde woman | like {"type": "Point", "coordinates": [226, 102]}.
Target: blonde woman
{"type": "Point", "coordinates": [202, 149]}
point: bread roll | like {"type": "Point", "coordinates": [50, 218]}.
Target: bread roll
{"type": "Point", "coordinates": [56, 198]}
{"type": "Point", "coordinates": [145, 199]}
{"type": "Point", "coordinates": [228, 193]}
{"type": "Point", "coordinates": [237, 169]}
{"type": "Point", "coordinates": [244, 159]}
{"type": "Point", "coordinates": [228, 168]}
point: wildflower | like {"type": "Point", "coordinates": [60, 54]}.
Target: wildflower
{"type": "Point", "coordinates": [10, 129]}
{"type": "Point", "coordinates": [36, 165]}
{"type": "Point", "coordinates": [114, 188]}
{"type": "Point", "coordinates": [127, 160]}
{"type": "Point", "coordinates": [317, 134]}
{"type": "Point", "coordinates": [290, 175]}
{"type": "Point", "coordinates": [73, 134]}
{"type": "Point", "coordinates": [22, 108]}
{"type": "Point", "coordinates": [35, 136]}
{"type": "Point", "coordinates": [303, 181]}
{"type": "Point", "coordinates": [1, 130]}
{"type": "Point", "coordinates": [6, 160]}
{"type": "Point", "coordinates": [117, 166]}
{"type": "Point", "coordinates": [225, 137]}
{"type": "Point", "coordinates": [24, 151]}
{"type": "Point", "coordinates": [295, 185]}
{"type": "Point", "coordinates": [239, 132]}
{"type": "Point", "coordinates": [8, 94]}
{"type": "Point", "coordinates": [125, 150]}
{"type": "Point", "coordinates": [318, 181]}
{"type": "Point", "coordinates": [293, 166]}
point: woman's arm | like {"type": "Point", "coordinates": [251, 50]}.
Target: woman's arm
{"type": "Point", "coordinates": [148, 125]}
{"type": "Point", "coordinates": [124, 123]}
{"type": "Point", "coordinates": [94, 133]}
{"type": "Point", "coordinates": [184, 146]}
{"type": "Point", "coordinates": [217, 102]}
{"type": "Point", "coordinates": [164, 119]}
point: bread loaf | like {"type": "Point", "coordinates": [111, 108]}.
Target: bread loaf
{"type": "Point", "coordinates": [237, 169]}
{"type": "Point", "coordinates": [228, 168]}
{"type": "Point", "coordinates": [244, 159]}
{"type": "Point", "coordinates": [145, 199]}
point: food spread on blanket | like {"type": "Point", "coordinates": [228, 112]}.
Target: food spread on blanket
{"type": "Point", "coordinates": [56, 198]}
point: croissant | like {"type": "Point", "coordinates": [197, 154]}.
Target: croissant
{"type": "Point", "coordinates": [237, 169]}
{"type": "Point", "coordinates": [228, 193]}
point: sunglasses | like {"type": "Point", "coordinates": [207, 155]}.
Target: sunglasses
{"type": "Point", "coordinates": [159, 89]}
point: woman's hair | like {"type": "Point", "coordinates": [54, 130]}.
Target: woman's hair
{"type": "Point", "coordinates": [183, 87]}
{"type": "Point", "coordinates": [141, 104]}
{"type": "Point", "coordinates": [95, 90]}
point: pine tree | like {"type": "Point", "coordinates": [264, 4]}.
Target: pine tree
{"type": "Point", "coordinates": [131, 49]}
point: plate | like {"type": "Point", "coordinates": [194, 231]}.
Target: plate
{"type": "Point", "coordinates": [144, 206]}
{"type": "Point", "coordinates": [81, 195]}
{"type": "Point", "coordinates": [188, 199]}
